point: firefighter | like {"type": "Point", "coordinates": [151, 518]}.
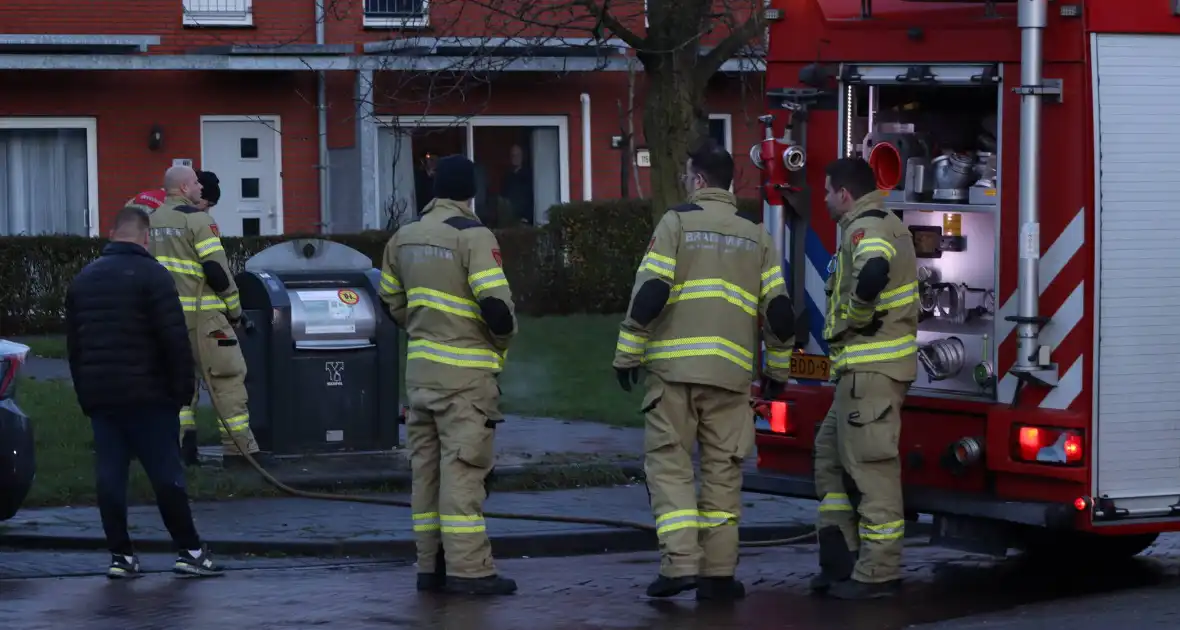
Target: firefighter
{"type": "Point", "coordinates": [709, 273]}
{"type": "Point", "coordinates": [871, 327]}
{"type": "Point", "coordinates": [187, 242]}
{"type": "Point", "coordinates": [442, 280]}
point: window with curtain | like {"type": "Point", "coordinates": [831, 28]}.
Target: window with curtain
{"type": "Point", "coordinates": [43, 182]}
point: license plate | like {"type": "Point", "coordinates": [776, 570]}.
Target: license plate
{"type": "Point", "coordinates": [810, 367]}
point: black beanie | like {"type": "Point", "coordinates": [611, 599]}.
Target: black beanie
{"type": "Point", "coordinates": [210, 187]}
{"type": "Point", "coordinates": [454, 178]}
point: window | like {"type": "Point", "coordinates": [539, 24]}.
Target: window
{"type": "Point", "coordinates": [248, 148]}
{"type": "Point", "coordinates": [396, 13]}
{"type": "Point", "coordinates": [218, 13]}
{"type": "Point", "coordinates": [44, 181]}
{"type": "Point", "coordinates": [251, 187]}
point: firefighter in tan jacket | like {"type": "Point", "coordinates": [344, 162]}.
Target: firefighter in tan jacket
{"type": "Point", "coordinates": [709, 273]}
{"type": "Point", "coordinates": [187, 242]}
{"type": "Point", "coordinates": [442, 280]}
{"type": "Point", "coordinates": [871, 327]}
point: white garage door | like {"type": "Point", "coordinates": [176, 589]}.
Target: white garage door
{"type": "Point", "coordinates": [1138, 128]}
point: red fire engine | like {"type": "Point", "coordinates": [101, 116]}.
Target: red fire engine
{"type": "Point", "coordinates": [1033, 147]}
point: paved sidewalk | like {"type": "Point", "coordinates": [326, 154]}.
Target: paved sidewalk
{"type": "Point", "coordinates": [305, 526]}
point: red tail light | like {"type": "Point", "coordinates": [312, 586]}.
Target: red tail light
{"type": "Point", "coordinates": [779, 416]}
{"type": "Point", "coordinates": [1046, 445]}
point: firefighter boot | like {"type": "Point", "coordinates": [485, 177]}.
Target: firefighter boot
{"type": "Point", "coordinates": [435, 581]}
{"type": "Point", "coordinates": [852, 589]}
{"type": "Point", "coordinates": [835, 560]}
{"type": "Point", "coordinates": [490, 585]}
{"type": "Point", "coordinates": [669, 587]}
{"type": "Point", "coordinates": [720, 589]}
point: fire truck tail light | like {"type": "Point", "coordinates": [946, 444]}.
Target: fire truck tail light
{"type": "Point", "coordinates": [778, 416]}
{"type": "Point", "coordinates": [1044, 445]}
{"type": "Point", "coordinates": [1082, 504]}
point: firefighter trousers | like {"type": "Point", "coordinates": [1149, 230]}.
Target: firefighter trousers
{"type": "Point", "coordinates": [222, 367]}
{"type": "Point", "coordinates": [856, 454]}
{"type": "Point", "coordinates": [698, 535]}
{"type": "Point", "coordinates": [450, 435]}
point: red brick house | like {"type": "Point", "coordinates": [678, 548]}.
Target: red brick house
{"type": "Point", "coordinates": [99, 97]}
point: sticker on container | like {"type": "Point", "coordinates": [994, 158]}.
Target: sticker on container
{"type": "Point", "coordinates": [348, 296]}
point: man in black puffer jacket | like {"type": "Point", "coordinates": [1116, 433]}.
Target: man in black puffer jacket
{"type": "Point", "coordinates": [132, 366]}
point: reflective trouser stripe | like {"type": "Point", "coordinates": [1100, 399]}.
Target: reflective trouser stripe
{"type": "Point", "coordinates": [888, 350]}
{"type": "Point", "coordinates": [629, 343]}
{"type": "Point", "coordinates": [892, 530]}
{"type": "Point", "coordinates": [237, 424]}
{"type": "Point", "coordinates": [453, 355]}
{"type": "Point", "coordinates": [700, 347]}
{"type": "Point", "coordinates": [718, 289]}
{"type": "Point", "coordinates": [426, 522]}
{"type": "Point", "coordinates": [445, 302]}
{"type": "Point", "coordinates": [460, 524]}
{"type": "Point", "coordinates": [188, 419]}
{"type": "Point", "coordinates": [771, 278]}
{"type": "Point", "coordinates": [835, 502]}
{"type": "Point", "coordinates": [684, 519]}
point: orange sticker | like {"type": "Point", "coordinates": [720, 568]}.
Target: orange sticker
{"type": "Point", "coordinates": [213, 228]}
{"type": "Point", "coordinates": [348, 297]}
{"type": "Point", "coordinates": [857, 236]}
{"type": "Point", "coordinates": [496, 255]}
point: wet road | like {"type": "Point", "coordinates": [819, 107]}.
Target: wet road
{"type": "Point", "coordinates": [598, 592]}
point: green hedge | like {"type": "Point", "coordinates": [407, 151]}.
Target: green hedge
{"type": "Point", "coordinates": [584, 260]}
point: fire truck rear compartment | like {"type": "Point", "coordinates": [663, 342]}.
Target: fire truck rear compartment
{"type": "Point", "coordinates": [1137, 297]}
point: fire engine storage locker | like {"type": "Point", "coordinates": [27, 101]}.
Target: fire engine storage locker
{"type": "Point", "coordinates": [323, 359]}
{"type": "Point", "coordinates": [1137, 363]}
{"type": "Point", "coordinates": [931, 135]}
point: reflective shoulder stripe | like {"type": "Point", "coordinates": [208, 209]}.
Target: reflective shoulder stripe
{"type": "Point", "coordinates": [875, 245]}
{"type": "Point", "coordinates": [486, 279]}
{"type": "Point", "coordinates": [208, 246]}
{"type": "Point", "coordinates": [715, 288]}
{"type": "Point", "coordinates": [445, 302]}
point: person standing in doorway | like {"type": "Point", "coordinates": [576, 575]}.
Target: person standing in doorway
{"type": "Point", "coordinates": [132, 367]}
{"type": "Point", "coordinates": [516, 186]}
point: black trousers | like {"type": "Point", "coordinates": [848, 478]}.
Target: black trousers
{"type": "Point", "coordinates": [151, 435]}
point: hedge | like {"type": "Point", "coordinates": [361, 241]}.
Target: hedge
{"type": "Point", "coordinates": [583, 260]}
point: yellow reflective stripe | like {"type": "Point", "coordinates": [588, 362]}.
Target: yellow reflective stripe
{"type": "Point", "coordinates": [629, 343]}
{"type": "Point", "coordinates": [208, 303]}
{"type": "Point", "coordinates": [893, 530]}
{"type": "Point", "coordinates": [426, 522]}
{"type": "Point", "coordinates": [233, 300]}
{"type": "Point", "coordinates": [390, 284]}
{"type": "Point", "coordinates": [772, 278]}
{"type": "Point", "coordinates": [445, 302]}
{"type": "Point", "coordinates": [453, 355]}
{"type": "Point", "coordinates": [835, 502]}
{"type": "Point", "coordinates": [893, 298]}
{"type": "Point", "coordinates": [693, 519]}
{"type": "Point", "coordinates": [858, 312]}
{"type": "Point", "coordinates": [208, 246]}
{"type": "Point", "coordinates": [699, 347]}
{"type": "Point", "coordinates": [462, 524]}
{"type": "Point", "coordinates": [660, 265]}
{"type": "Point", "coordinates": [187, 417]}
{"type": "Point", "coordinates": [487, 279]}
{"type": "Point", "coordinates": [834, 299]}
{"type": "Point", "coordinates": [237, 423]}
{"type": "Point", "coordinates": [887, 350]}
{"type": "Point", "coordinates": [778, 358]}
{"type": "Point", "coordinates": [181, 266]}
{"type": "Point", "coordinates": [718, 289]}
{"type": "Point", "coordinates": [878, 245]}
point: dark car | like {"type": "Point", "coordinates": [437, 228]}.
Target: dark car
{"type": "Point", "coordinates": [17, 466]}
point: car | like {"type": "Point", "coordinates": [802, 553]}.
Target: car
{"type": "Point", "coordinates": [17, 462]}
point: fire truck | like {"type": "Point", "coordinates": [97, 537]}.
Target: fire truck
{"type": "Point", "coordinates": [1033, 149]}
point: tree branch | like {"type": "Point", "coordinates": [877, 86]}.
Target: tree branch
{"type": "Point", "coordinates": [710, 63]}
{"type": "Point", "coordinates": [604, 16]}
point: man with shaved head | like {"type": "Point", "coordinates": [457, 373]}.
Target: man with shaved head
{"type": "Point", "coordinates": [185, 239]}
{"type": "Point", "coordinates": [131, 362]}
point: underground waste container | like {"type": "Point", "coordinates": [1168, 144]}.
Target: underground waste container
{"type": "Point", "coordinates": [17, 463]}
{"type": "Point", "coordinates": [322, 360]}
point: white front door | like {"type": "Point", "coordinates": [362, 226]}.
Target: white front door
{"type": "Point", "coordinates": [244, 156]}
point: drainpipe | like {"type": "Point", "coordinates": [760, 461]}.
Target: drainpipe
{"type": "Point", "coordinates": [587, 164]}
{"type": "Point", "coordinates": [1032, 16]}
{"type": "Point", "coordinates": [322, 119]}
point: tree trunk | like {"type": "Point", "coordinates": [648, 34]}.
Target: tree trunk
{"type": "Point", "coordinates": [672, 123]}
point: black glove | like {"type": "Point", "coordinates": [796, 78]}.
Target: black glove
{"type": "Point", "coordinates": [772, 389]}
{"type": "Point", "coordinates": [627, 377]}
{"type": "Point", "coordinates": [244, 323]}
{"type": "Point", "coordinates": [871, 328]}
{"type": "Point", "coordinates": [188, 449]}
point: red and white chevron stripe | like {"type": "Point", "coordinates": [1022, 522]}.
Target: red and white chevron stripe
{"type": "Point", "coordinates": [1063, 298]}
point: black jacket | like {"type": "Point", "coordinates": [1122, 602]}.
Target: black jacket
{"type": "Point", "coordinates": [126, 334]}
